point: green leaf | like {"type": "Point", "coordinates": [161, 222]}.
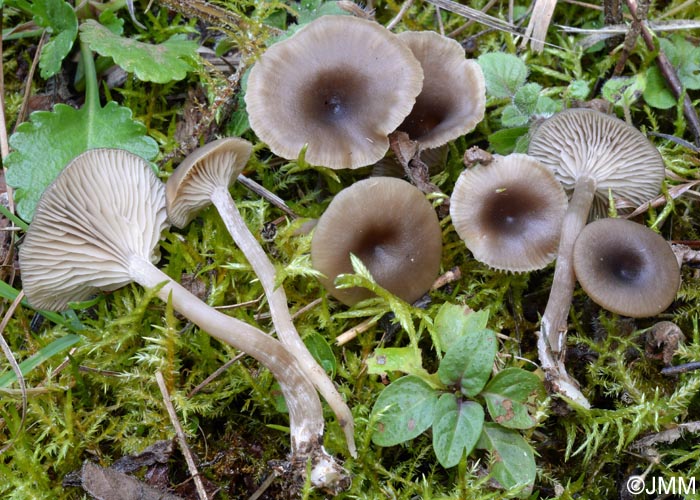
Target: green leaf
{"type": "Point", "coordinates": [504, 73]}
{"type": "Point", "coordinates": [468, 362]}
{"type": "Point", "coordinates": [525, 98]}
{"type": "Point", "coordinates": [656, 93]}
{"type": "Point", "coordinates": [456, 430]}
{"type": "Point", "coordinates": [43, 354]}
{"type": "Point", "coordinates": [512, 116]}
{"type": "Point", "coordinates": [322, 352]}
{"type": "Point", "coordinates": [162, 63]}
{"type": "Point", "coordinates": [503, 141]}
{"type": "Point", "coordinates": [578, 89]}
{"type": "Point", "coordinates": [507, 396]}
{"type": "Point", "coordinates": [405, 409]}
{"type": "Point", "coordinates": [49, 140]}
{"type": "Point", "coordinates": [453, 322]}
{"type": "Point", "coordinates": [406, 360]}
{"type": "Point", "coordinates": [513, 458]}
{"type": "Point", "coordinates": [623, 90]}
{"type": "Point", "coordinates": [59, 18]}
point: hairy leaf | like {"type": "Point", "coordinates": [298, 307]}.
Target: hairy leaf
{"type": "Point", "coordinates": [456, 429]}
{"type": "Point", "coordinates": [504, 73]}
{"type": "Point", "coordinates": [162, 63]}
{"type": "Point", "coordinates": [49, 140]}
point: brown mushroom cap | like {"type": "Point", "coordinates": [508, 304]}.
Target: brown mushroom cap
{"type": "Point", "coordinates": [391, 227]}
{"type": "Point", "coordinates": [190, 187]}
{"type": "Point", "coordinates": [626, 267]}
{"type": "Point", "coordinates": [583, 142]}
{"type": "Point", "coordinates": [453, 98]}
{"type": "Point", "coordinates": [340, 84]}
{"type": "Point", "coordinates": [58, 265]}
{"type": "Point", "coordinates": [509, 213]}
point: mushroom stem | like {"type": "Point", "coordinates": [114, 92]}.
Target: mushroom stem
{"type": "Point", "coordinates": [552, 337]}
{"type": "Point", "coordinates": [279, 310]}
{"type": "Point", "coordinates": [555, 318]}
{"type": "Point", "coordinates": [305, 411]}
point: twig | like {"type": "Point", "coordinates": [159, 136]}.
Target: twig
{"type": "Point", "coordinates": [264, 486]}
{"type": "Point", "coordinates": [678, 369]}
{"type": "Point", "coordinates": [28, 85]}
{"type": "Point", "coordinates": [402, 11]}
{"type": "Point", "coordinates": [475, 15]}
{"type": "Point", "coordinates": [182, 440]}
{"type": "Point", "coordinates": [215, 374]}
{"type": "Point", "coordinates": [457, 31]}
{"type": "Point", "coordinates": [267, 195]}
{"type": "Point", "coordinates": [450, 276]}
{"type": "Point", "coordinates": [669, 73]}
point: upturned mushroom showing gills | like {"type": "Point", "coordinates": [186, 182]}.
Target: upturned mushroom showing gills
{"type": "Point", "coordinates": [204, 178]}
{"type": "Point", "coordinates": [626, 267]}
{"type": "Point", "coordinates": [339, 85]}
{"type": "Point", "coordinates": [453, 98]}
{"type": "Point", "coordinates": [509, 213]}
{"type": "Point", "coordinates": [96, 228]}
{"type": "Point", "coordinates": [595, 155]}
{"type": "Point", "coordinates": [391, 227]}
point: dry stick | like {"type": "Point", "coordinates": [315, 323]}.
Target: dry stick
{"type": "Point", "coordinates": [28, 85]}
{"type": "Point", "coordinates": [476, 15]}
{"type": "Point", "coordinates": [404, 8]}
{"type": "Point", "coordinates": [631, 38]}
{"type": "Point", "coordinates": [669, 74]}
{"type": "Point", "coordinates": [267, 195]}
{"type": "Point", "coordinates": [215, 374]}
{"type": "Point", "coordinates": [201, 492]}
{"type": "Point", "coordinates": [540, 18]}
{"type": "Point", "coordinates": [457, 31]}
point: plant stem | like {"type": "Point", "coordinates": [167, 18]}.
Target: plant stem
{"type": "Point", "coordinates": [279, 310]}
{"type": "Point", "coordinates": [92, 94]}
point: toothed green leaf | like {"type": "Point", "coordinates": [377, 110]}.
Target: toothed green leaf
{"type": "Point", "coordinates": [46, 143]}
{"type": "Point", "coordinates": [162, 63]}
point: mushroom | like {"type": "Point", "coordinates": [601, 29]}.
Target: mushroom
{"type": "Point", "coordinates": [95, 229]}
{"type": "Point", "coordinates": [509, 212]}
{"type": "Point", "coordinates": [596, 155]}
{"type": "Point", "coordinates": [204, 178]}
{"type": "Point", "coordinates": [391, 227]}
{"type": "Point", "coordinates": [453, 99]}
{"type": "Point", "coordinates": [339, 85]}
{"type": "Point", "coordinates": [626, 267]}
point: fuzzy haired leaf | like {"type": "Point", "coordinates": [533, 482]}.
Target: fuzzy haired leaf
{"type": "Point", "coordinates": [162, 63]}
{"type": "Point", "coordinates": [46, 143]}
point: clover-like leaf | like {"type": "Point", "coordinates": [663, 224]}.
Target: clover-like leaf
{"type": "Point", "coordinates": [406, 409]}
{"type": "Point", "coordinates": [467, 364]}
{"type": "Point", "coordinates": [456, 430]}
{"type": "Point", "coordinates": [49, 140]}
{"type": "Point", "coordinates": [161, 63]}
{"type": "Point", "coordinates": [507, 396]}
{"type": "Point", "coordinates": [59, 18]}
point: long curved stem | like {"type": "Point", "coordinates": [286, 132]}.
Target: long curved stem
{"type": "Point", "coordinates": [279, 310]}
{"type": "Point", "coordinates": [305, 411]}
{"type": "Point", "coordinates": [552, 337]}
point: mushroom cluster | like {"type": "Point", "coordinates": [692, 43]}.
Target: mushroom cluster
{"type": "Point", "coordinates": [341, 85]}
